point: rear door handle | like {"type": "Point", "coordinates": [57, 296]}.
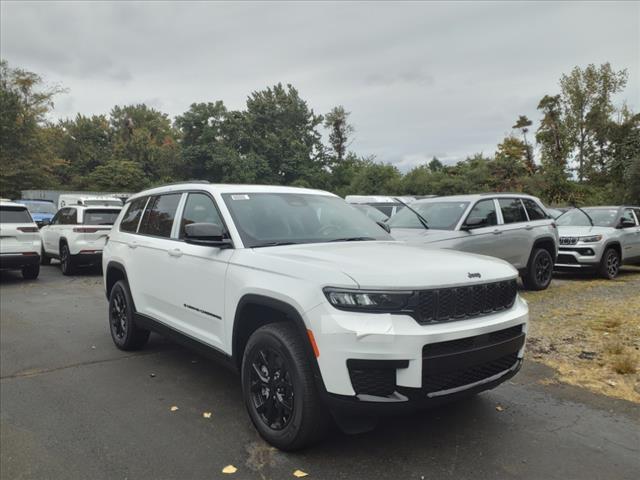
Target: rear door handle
{"type": "Point", "coordinates": [133, 245]}
{"type": "Point", "coordinates": [175, 252]}
{"type": "Point", "coordinates": [528, 227]}
{"type": "Point", "coordinates": [497, 232]}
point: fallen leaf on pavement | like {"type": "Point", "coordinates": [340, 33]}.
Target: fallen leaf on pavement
{"type": "Point", "coordinates": [206, 414]}
{"type": "Point", "coordinates": [229, 469]}
{"type": "Point", "coordinates": [499, 408]}
{"type": "Point", "coordinates": [300, 474]}
{"type": "Point", "coordinates": [174, 408]}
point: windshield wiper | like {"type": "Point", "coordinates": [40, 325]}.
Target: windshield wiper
{"type": "Point", "coordinates": [422, 220]}
{"type": "Point", "coordinates": [352, 239]}
{"type": "Point", "coordinates": [586, 214]}
{"type": "Point", "coordinates": [274, 244]}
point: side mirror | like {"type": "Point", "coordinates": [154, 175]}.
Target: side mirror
{"type": "Point", "coordinates": [626, 223]}
{"type": "Point", "coordinates": [44, 222]}
{"type": "Point", "coordinates": [474, 222]}
{"type": "Point", "coordinates": [206, 234]}
{"type": "Point", "coordinates": [384, 226]}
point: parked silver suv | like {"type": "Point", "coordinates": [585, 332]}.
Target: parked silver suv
{"type": "Point", "coordinates": [599, 239]}
{"type": "Point", "coordinates": [513, 227]}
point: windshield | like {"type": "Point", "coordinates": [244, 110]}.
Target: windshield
{"type": "Point", "coordinates": [40, 207]}
{"type": "Point", "coordinates": [371, 212]}
{"type": "Point", "coordinates": [14, 215]}
{"type": "Point", "coordinates": [265, 219]}
{"type": "Point", "coordinates": [439, 215]}
{"type": "Point", "coordinates": [100, 217]}
{"type": "Point", "coordinates": [602, 217]}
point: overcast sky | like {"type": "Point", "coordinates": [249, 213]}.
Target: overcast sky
{"type": "Point", "coordinates": [421, 79]}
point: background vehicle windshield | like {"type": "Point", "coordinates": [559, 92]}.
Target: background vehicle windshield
{"type": "Point", "coordinates": [439, 215]}
{"type": "Point", "coordinates": [40, 207]}
{"type": "Point", "coordinates": [14, 215]}
{"type": "Point", "coordinates": [602, 217]}
{"type": "Point", "coordinates": [100, 217]}
{"type": "Point", "coordinates": [372, 212]}
{"type": "Point", "coordinates": [267, 218]}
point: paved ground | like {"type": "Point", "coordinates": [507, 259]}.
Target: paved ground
{"type": "Point", "coordinates": [73, 406]}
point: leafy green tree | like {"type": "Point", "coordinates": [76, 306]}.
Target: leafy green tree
{"type": "Point", "coordinates": [26, 155]}
{"type": "Point", "coordinates": [587, 100]}
{"type": "Point", "coordinates": [118, 175]}
{"type": "Point", "coordinates": [509, 165]}
{"type": "Point", "coordinates": [523, 123]}
{"type": "Point", "coordinates": [340, 131]}
{"type": "Point", "coordinates": [376, 178]}
{"type": "Point", "coordinates": [435, 165]}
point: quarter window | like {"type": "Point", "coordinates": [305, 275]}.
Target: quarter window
{"type": "Point", "coordinates": [512, 210]}
{"type": "Point", "coordinates": [158, 217]}
{"type": "Point", "coordinates": [199, 209]}
{"type": "Point", "coordinates": [534, 210]}
{"type": "Point", "coordinates": [72, 217]}
{"type": "Point", "coordinates": [134, 211]}
{"type": "Point", "coordinates": [485, 209]}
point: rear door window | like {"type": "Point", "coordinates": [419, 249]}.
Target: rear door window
{"type": "Point", "coordinates": [100, 217]}
{"type": "Point", "coordinates": [534, 210]}
{"type": "Point", "coordinates": [14, 215]}
{"type": "Point", "coordinates": [512, 210]}
{"type": "Point", "coordinates": [131, 218]}
{"type": "Point", "coordinates": [159, 215]}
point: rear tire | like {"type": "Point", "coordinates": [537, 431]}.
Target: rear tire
{"type": "Point", "coordinates": [66, 260]}
{"type": "Point", "coordinates": [609, 264]}
{"type": "Point", "coordinates": [539, 271]}
{"type": "Point", "coordinates": [31, 272]}
{"type": "Point", "coordinates": [44, 258]}
{"type": "Point", "coordinates": [279, 389]}
{"type": "Point", "coordinates": [125, 333]}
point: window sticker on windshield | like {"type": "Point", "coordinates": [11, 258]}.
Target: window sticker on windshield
{"type": "Point", "coordinates": [240, 197]}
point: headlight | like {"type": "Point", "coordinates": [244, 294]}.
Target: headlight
{"type": "Point", "coordinates": [591, 239]}
{"type": "Point", "coordinates": [371, 300]}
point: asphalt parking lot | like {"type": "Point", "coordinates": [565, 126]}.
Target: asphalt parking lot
{"type": "Point", "coordinates": [73, 406]}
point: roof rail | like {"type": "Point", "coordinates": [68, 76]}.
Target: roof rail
{"type": "Point", "coordinates": [504, 193]}
{"type": "Point", "coordinates": [205, 182]}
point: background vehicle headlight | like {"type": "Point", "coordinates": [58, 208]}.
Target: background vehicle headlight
{"type": "Point", "coordinates": [591, 239]}
{"type": "Point", "coordinates": [367, 299]}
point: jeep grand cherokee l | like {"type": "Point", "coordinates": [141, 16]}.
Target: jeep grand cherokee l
{"type": "Point", "coordinates": [320, 310]}
{"type": "Point", "coordinates": [19, 240]}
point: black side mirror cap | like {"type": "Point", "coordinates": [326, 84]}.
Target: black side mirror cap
{"type": "Point", "coordinates": [475, 222]}
{"type": "Point", "coordinates": [625, 223]}
{"type": "Point", "coordinates": [384, 226]}
{"type": "Point", "coordinates": [45, 222]}
{"type": "Point", "coordinates": [206, 234]}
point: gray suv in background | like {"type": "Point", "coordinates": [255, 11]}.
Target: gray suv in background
{"type": "Point", "coordinates": [599, 239]}
{"type": "Point", "coordinates": [511, 226]}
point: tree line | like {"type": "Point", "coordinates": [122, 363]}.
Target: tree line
{"type": "Point", "coordinates": [584, 149]}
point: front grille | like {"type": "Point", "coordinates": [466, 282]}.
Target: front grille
{"type": "Point", "coordinates": [566, 259]}
{"type": "Point", "coordinates": [463, 344]}
{"type": "Point", "coordinates": [435, 382]}
{"type": "Point", "coordinates": [568, 240]}
{"type": "Point", "coordinates": [445, 304]}
{"type": "Point", "coordinates": [380, 382]}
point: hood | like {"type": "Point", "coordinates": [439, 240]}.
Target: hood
{"type": "Point", "coordinates": [423, 235]}
{"type": "Point", "coordinates": [397, 265]}
{"type": "Point", "coordinates": [571, 231]}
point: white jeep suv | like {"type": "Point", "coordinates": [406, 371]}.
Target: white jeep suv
{"type": "Point", "coordinates": [19, 240]}
{"type": "Point", "coordinates": [320, 310]}
{"type": "Point", "coordinates": [76, 236]}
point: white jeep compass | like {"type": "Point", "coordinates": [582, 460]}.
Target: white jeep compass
{"type": "Point", "coordinates": [321, 311]}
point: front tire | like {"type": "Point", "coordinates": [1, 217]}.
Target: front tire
{"type": "Point", "coordinates": [125, 333]}
{"type": "Point", "coordinates": [539, 271]}
{"type": "Point", "coordinates": [279, 389]}
{"type": "Point", "coordinates": [31, 272]}
{"type": "Point", "coordinates": [66, 261]}
{"type": "Point", "coordinates": [609, 264]}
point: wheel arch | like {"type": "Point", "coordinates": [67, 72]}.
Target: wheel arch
{"type": "Point", "coordinates": [115, 271]}
{"type": "Point", "coordinates": [615, 244]}
{"type": "Point", "coordinates": [254, 311]}
{"type": "Point", "coordinates": [549, 244]}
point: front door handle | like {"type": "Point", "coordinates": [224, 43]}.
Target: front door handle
{"type": "Point", "coordinates": [133, 245]}
{"type": "Point", "coordinates": [528, 227]}
{"type": "Point", "coordinates": [497, 232]}
{"type": "Point", "coordinates": [175, 252]}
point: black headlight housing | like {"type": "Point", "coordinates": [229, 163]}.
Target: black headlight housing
{"type": "Point", "coordinates": [368, 300]}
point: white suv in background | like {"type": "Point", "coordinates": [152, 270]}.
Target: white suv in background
{"type": "Point", "coordinates": [19, 240]}
{"type": "Point", "coordinates": [77, 235]}
{"type": "Point", "coordinates": [320, 310]}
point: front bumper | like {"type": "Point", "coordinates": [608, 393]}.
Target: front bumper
{"type": "Point", "coordinates": [15, 261]}
{"type": "Point", "coordinates": [426, 364]}
{"type": "Point", "coordinates": [85, 258]}
{"type": "Point", "coordinates": [579, 256]}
